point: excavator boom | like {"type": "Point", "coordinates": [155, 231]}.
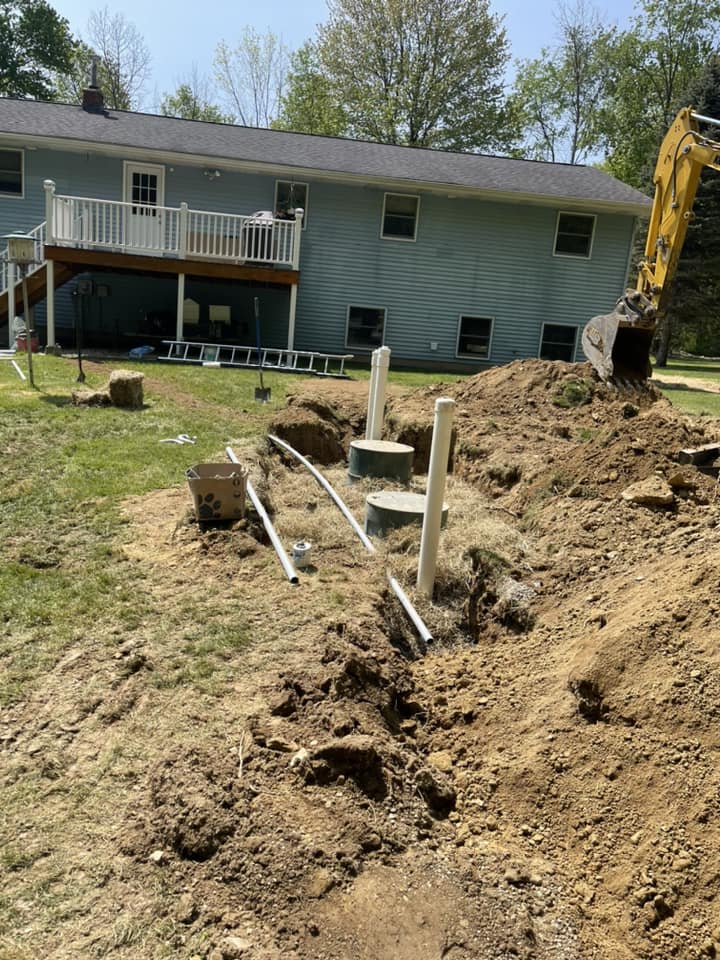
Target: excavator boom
{"type": "Point", "coordinates": [618, 343]}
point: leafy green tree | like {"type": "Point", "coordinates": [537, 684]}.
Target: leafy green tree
{"type": "Point", "coordinates": [252, 75]}
{"type": "Point", "coordinates": [651, 65]}
{"type": "Point", "coordinates": [35, 45]}
{"type": "Point", "coordinates": [310, 103]}
{"type": "Point", "coordinates": [556, 96]}
{"type": "Point", "coordinates": [191, 101]}
{"type": "Point", "coordinates": [692, 319]}
{"type": "Point", "coordinates": [428, 73]}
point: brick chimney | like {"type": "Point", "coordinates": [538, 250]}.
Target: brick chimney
{"type": "Point", "coordinates": [92, 97]}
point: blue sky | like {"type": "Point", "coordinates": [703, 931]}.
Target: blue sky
{"type": "Point", "coordinates": [180, 33]}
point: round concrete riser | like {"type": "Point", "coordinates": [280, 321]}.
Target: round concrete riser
{"type": "Point", "coordinates": [389, 509]}
{"type": "Point", "coordinates": [380, 458]}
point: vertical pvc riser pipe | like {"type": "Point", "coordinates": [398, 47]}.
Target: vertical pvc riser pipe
{"type": "Point", "coordinates": [371, 395]}
{"type": "Point", "coordinates": [437, 473]}
{"type": "Point", "coordinates": [381, 377]}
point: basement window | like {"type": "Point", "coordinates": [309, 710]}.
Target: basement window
{"type": "Point", "coordinates": [11, 173]}
{"type": "Point", "coordinates": [558, 342]}
{"type": "Point", "coordinates": [474, 335]}
{"type": "Point", "coordinates": [574, 235]}
{"type": "Point", "coordinates": [400, 216]}
{"type": "Point", "coordinates": [365, 328]}
{"type": "Point", "coordinates": [290, 195]}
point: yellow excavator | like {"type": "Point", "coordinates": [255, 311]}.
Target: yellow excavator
{"type": "Point", "coordinates": [618, 344]}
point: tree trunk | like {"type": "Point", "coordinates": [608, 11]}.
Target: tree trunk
{"type": "Point", "coordinates": [663, 347]}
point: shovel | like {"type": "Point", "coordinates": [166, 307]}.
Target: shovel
{"type": "Point", "coordinates": [262, 393]}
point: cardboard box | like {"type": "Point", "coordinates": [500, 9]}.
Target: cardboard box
{"type": "Point", "coordinates": [218, 491]}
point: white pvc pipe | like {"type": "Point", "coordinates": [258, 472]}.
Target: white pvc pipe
{"type": "Point", "coordinates": [437, 473]}
{"type": "Point", "coordinates": [407, 606]}
{"type": "Point", "coordinates": [284, 559]}
{"type": "Point", "coordinates": [371, 394]}
{"type": "Point", "coordinates": [367, 543]}
{"type": "Point", "coordinates": [378, 398]}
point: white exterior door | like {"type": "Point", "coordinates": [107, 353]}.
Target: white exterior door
{"type": "Point", "coordinates": [145, 192]}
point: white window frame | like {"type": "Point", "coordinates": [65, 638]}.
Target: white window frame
{"type": "Point", "coordinates": [395, 193]}
{"type": "Point", "coordinates": [551, 323]}
{"type": "Point", "coordinates": [156, 168]}
{"type": "Point", "coordinates": [363, 306]}
{"type": "Point", "coordinates": [298, 183]}
{"type": "Point", "coordinates": [575, 256]}
{"type": "Point", "coordinates": [21, 195]}
{"type": "Point", "coordinates": [473, 356]}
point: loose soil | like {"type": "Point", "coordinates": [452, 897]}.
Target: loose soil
{"type": "Point", "coordinates": [266, 771]}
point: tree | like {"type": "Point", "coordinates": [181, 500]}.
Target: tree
{"type": "Point", "coordinates": [651, 66]}
{"type": "Point", "coordinates": [252, 76]}
{"type": "Point", "coordinates": [309, 103]}
{"type": "Point", "coordinates": [692, 318]}
{"type": "Point", "coordinates": [35, 44]}
{"type": "Point", "coordinates": [69, 86]}
{"type": "Point", "coordinates": [124, 58]}
{"type": "Point", "coordinates": [191, 101]}
{"type": "Point", "coordinates": [556, 97]}
{"type": "Point", "coordinates": [423, 72]}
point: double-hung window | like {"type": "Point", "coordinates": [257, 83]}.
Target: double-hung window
{"type": "Point", "coordinates": [11, 173]}
{"type": "Point", "coordinates": [574, 235]}
{"type": "Point", "coordinates": [365, 327]}
{"type": "Point", "coordinates": [474, 334]}
{"type": "Point", "coordinates": [400, 216]}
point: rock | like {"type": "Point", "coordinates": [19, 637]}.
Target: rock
{"type": "Point", "coordinates": [300, 758]}
{"type": "Point", "coordinates": [158, 856]}
{"type": "Point", "coordinates": [186, 910]}
{"type": "Point", "coordinates": [125, 388]}
{"type": "Point", "coordinates": [679, 480]}
{"type": "Point", "coordinates": [232, 947]}
{"type": "Point", "coordinates": [436, 791]}
{"type": "Point", "coordinates": [441, 759]}
{"type": "Point", "coordinates": [651, 492]}
{"type": "Point", "coordinates": [320, 883]}
{"type": "Point", "coordinates": [280, 745]}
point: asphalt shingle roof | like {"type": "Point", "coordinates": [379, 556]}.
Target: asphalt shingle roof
{"type": "Point", "coordinates": [324, 155]}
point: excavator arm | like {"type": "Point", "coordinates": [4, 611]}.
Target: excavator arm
{"type": "Point", "coordinates": [618, 343]}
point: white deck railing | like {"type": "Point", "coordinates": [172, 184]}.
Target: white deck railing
{"type": "Point", "coordinates": [171, 231]}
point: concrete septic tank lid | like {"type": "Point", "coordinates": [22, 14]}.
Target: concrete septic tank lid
{"type": "Point", "coordinates": [388, 509]}
{"type": "Point", "coordinates": [382, 446]}
{"type": "Point", "coordinates": [381, 458]}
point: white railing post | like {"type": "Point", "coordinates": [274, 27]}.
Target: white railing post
{"type": "Point", "coordinates": [291, 322]}
{"type": "Point", "coordinates": [437, 472]}
{"type": "Point", "coordinates": [296, 238]}
{"type": "Point", "coordinates": [180, 312]}
{"type": "Point", "coordinates": [49, 186]}
{"type": "Point", "coordinates": [183, 231]}
{"type": "Point", "coordinates": [11, 302]}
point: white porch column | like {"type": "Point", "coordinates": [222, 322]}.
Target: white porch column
{"type": "Point", "coordinates": [299, 213]}
{"type": "Point", "coordinates": [291, 319]}
{"type": "Point", "coordinates": [180, 305]}
{"type": "Point", "coordinates": [49, 186]}
{"type": "Point", "coordinates": [50, 301]}
{"type": "Point", "coordinates": [11, 303]}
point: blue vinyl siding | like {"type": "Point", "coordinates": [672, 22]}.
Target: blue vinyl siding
{"type": "Point", "coordinates": [471, 257]}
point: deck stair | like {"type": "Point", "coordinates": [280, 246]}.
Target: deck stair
{"type": "Point", "coordinates": [286, 361]}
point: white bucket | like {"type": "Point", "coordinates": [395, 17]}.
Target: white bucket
{"type": "Point", "coordinates": [301, 554]}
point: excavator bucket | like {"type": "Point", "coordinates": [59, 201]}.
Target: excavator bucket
{"type": "Point", "coordinates": [618, 344]}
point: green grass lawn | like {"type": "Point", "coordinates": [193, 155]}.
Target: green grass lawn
{"type": "Point", "coordinates": [693, 400]}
